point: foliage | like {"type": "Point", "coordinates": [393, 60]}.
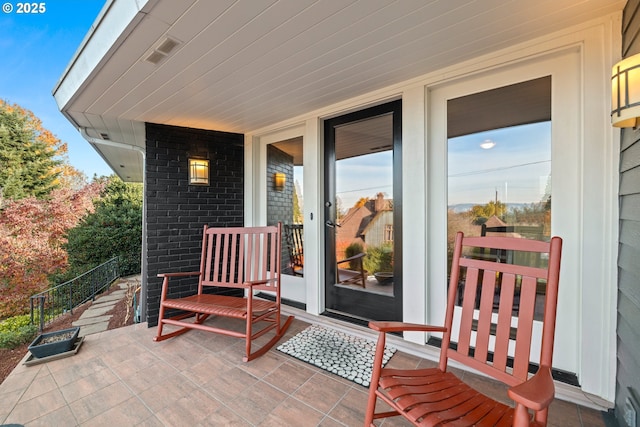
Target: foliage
{"type": "Point", "coordinates": [361, 202]}
{"type": "Point", "coordinates": [113, 229]}
{"type": "Point", "coordinates": [483, 212]}
{"type": "Point", "coordinates": [14, 323]}
{"type": "Point", "coordinates": [16, 331]}
{"type": "Point", "coordinates": [298, 215]}
{"type": "Point", "coordinates": [533, 213]}
{"type": "Point", "coordinates": [32, 234]}
{"type": "Point", "coordinates": [379, 258]}
{"type": "Point", "coordinates": [31, 157]}
{"type": "Point", "coordinates": [351, 250]}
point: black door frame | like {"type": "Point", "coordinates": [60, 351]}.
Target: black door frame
{"type": "Point", "coordinates": [358, 306]}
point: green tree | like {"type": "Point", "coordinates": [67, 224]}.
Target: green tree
{"type": "Point", "coordinates": [31, 157]}
{"type": "Point", "coordinates": [298, 216]}
{"type": "Point", "coordinates": [482, 212]}
{"type": "Point", "coordinates": [113, 229]}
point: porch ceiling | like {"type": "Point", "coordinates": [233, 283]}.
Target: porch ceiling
{"type": "Point", "coordinates": [240, 65]}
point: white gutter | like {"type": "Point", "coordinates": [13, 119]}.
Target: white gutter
{"type": "Point", "coordinates": [143, 258]}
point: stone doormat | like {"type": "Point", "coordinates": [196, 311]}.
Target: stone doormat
{"type": "Point", "coordinates": [345, 355]}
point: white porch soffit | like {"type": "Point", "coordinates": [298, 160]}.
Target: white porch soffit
{"type": "Point", "coordinates": [240, 65]}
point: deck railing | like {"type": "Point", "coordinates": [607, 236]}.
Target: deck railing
{"type": "Point", "coordinates": [53, 302]}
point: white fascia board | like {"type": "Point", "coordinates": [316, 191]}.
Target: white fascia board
{"type": "Point", "coordinates": [116, 21]}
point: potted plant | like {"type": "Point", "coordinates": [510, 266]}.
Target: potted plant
{"type": "Point", "coordinates": [52, 343]}
{"type": "Point", "coordinates": [384, 277]}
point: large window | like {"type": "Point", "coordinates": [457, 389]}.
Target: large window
{"type": "Point", "coordinates": [499, 166]}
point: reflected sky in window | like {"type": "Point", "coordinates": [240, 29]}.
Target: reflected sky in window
{"type": "Point", "coordinates": [364, 176]}
{"type": "Point", "coordinates": [515, 170]}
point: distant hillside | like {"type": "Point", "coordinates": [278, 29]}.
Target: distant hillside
{"type": "Point", "coordinates": [464, 207]}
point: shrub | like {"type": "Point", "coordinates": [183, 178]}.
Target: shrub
{"type": "Point", "coordinates": [16, 331]}
{"type": "Point", "coordinates": [351, 250]}
{"type": "Point", "coordinates": [379, 258]}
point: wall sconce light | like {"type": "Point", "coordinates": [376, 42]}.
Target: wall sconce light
{"type": "Point", "coordinates": [625, 92]}
{"type": "Point", "coordinates": [279, 180]}
{"type": "Point", "coordinates": [198, 172]}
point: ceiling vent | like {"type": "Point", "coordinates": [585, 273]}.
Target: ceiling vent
{"type": "Point", "coordinates": [162, 50]}
{"type": "Point", "coordinates": [167, 46]}
{"type": "Point", "coordinates": [155, 57]}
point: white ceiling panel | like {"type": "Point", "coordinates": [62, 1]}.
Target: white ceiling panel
{"type": "Point", "coordinates": [241, 65]}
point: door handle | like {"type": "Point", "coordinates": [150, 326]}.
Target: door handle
{"type": "Point", "coordinates": [332, 224]}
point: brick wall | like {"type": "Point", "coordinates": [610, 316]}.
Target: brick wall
{"type": "Point", "coordinates": [177, 211]}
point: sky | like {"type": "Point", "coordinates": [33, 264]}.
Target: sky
{"type": "Point", "coordinates": [364, 176]}
{"type": "Point", "coordinates": [517, 167]}
{"type": "Point", "coordinates": [35, 49]}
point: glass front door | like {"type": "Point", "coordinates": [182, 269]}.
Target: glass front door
{"type": "Point", "coordinates": [362, 214]}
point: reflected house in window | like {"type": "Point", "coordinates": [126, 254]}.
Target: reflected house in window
{"type": "Point", "coordinates": [368, 224]}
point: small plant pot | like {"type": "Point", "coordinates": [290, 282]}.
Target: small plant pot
{"type": "Point", "coordinates": [384, 277]}
{"type": "Point", "coordinates": [53, 343]}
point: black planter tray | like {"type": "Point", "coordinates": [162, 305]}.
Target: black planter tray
{"type": "Point", "coordinates": [32, 360]}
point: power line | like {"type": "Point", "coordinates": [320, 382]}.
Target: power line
{"type": "Point", "coordinates": [363, 189]}
{"type": "Point", "coordinates": [497, 169]}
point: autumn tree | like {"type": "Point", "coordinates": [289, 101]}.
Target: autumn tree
{"type": "Point", "coordinates": [482, 212]}
{"type": "Point", "coordinates": [31, 157]}
{"type": "Point", "coordinates": [32, 235]}
{"type": "Point", "coordinates": [41, 197]}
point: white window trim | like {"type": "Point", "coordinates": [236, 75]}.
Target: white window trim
{"type": "Point", "coordinates": [598, 41]}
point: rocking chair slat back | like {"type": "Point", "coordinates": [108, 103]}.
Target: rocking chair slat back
{"type": "Point", "coordinates": [489, 327]}
{"type": "Point", "coordinates": [480, 325]}
{"type": "Point", "coordinates": [245, 258]}
{"type": "Point", "coordinates": [233, 256]}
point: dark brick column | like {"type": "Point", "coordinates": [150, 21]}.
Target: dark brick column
{"type": "Point", "coordinates": [177, 211]}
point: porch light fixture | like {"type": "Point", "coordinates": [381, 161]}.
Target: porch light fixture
{"type": "Point", "coordinates": [625, 93]}
{"type": "Point", "coordinates": [198, 172]}
{"type": "Point", "coordinates": [279, 180]}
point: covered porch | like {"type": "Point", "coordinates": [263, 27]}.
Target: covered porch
{"type": "Point", "coordinates": [122, 377]}
{"type": "Point", "coordinates": [157, 84]}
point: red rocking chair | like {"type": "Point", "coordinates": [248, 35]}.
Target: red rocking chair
{"type": "Point", "coordinates": [246, 258]}
{"type": "Point", "coordinates": [430, 397]}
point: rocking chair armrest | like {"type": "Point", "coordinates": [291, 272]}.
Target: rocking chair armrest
{"type": "Point", "coordinates": [180, 274]}
{"type": "Point", "coordinates": [352, 258]}
{"type": "Point", "coordinates": [403, 326]}
{"type": "Point", "coordinates": [167, 276]}
{"type": "Point", "coordinates": [252, 283]}
{"type": "Point", "coordinates": [537, 392]}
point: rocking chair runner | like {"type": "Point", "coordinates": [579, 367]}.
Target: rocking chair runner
{"type": "Point", "coordinates": [429, 397]}
{"type": "Point", "coordinates": [246, 258]}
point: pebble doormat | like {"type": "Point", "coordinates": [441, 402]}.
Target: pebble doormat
{"type": "Point", "coordinates": [342, 354]}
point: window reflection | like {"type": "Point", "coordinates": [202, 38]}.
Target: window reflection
{"type": "Point", "coordinates": [364, 245]}
{"type": "Point", "coordinates": [285, 200]}
{"type": "Point", "coordinates": [499, 179]}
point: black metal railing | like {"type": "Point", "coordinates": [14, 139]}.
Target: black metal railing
{"type": "Point", "coordinates": [53, 302]}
